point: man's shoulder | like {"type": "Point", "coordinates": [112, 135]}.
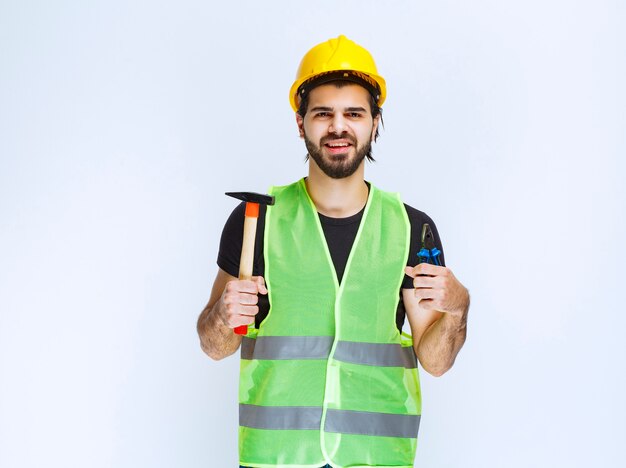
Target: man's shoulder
{"type": "Point", "coordinates": [417, 216]}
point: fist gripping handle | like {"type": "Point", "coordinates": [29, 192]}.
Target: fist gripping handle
{"type": "Point", "coordinates": [253, 200]}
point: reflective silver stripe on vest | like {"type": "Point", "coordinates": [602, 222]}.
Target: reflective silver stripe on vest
{"type": "Point", "coordinates": [286, 347]}
{"type": "Point", "coordinates": [280, 417]}
{"type": "Point", "coordinates": [374, 424]}
{"type": "Point", "coordinates": [318, 347]}
{"type": "Point", "coordinates": [338, 421]}
{"type": "Point", "coordinates": [376, 354]}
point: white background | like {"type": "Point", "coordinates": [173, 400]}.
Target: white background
{"type": "Point", "coordinates": [122, 123]}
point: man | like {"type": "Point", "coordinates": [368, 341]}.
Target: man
{"type": "Point", "coordinates": [327, 378]}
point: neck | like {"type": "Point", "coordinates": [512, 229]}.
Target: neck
{"type": "Point", "coordinates": [337, 198]}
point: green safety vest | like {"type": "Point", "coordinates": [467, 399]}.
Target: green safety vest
{"type": "Point", "coordinates": [327, 377]}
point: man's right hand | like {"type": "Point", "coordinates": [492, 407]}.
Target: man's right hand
{"type": "Point", "coordinates": [233, 303]}
{"type": "Point", "coordinates": [239, 301]}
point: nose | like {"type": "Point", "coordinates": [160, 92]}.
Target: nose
{"type": "Point", "coordinates": [337, 124]}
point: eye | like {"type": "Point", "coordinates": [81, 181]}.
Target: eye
{"type": "Point", "coordinates": [322, 114]}
{"type": "Point", "coordinates": [355, 115]}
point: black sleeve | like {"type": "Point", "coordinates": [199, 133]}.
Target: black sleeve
{"type": "Point", "coordinates": [232, 238]}
{"type": "Point", "coordinates": [417, 219]}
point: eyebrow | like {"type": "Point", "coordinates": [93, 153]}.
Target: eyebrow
{"type": "Point", "coordinates": [355, 109]}
{"type": "Point", "coordinates": [330, 109]}
{"type": "Point", "coordinates": [321, 108]}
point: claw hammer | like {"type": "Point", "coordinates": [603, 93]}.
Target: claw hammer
{"type": "Point", "coordinates": [253, 201]}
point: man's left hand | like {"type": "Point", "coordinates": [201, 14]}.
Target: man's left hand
{"type": "Point", "coordinates": [437, 288]}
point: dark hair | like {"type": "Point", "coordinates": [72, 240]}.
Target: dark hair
{"type": "Point", "coordinates": [375, 110]}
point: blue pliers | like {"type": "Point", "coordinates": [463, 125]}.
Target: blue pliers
{"type": "Point", "coordinates": [429, 253]}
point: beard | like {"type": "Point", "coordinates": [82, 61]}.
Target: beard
{"type": "Point", "coordinates": [337, 166]}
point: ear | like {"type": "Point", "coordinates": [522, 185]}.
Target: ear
{"type": "Point", "coordinates": [300, 122]}
{"type": "Point", "coordinates": [374, 128]}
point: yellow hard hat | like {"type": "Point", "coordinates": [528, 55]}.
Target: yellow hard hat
{"type": "Point", "coordinates": [338, 55]}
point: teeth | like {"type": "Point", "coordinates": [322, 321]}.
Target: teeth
{"type": "Point", "coordinates": [334, 145]}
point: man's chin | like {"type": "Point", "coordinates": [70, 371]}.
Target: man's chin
{"type": "Point", "coordinates": [339, 158]}
{"type": "Point", "coordinates": [339, 169]}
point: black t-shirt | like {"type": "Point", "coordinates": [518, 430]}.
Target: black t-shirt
{"type": "Point", "coordinates": [339, 233]}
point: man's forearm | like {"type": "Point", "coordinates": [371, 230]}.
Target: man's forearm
{"type": "Point", "coordinates": [441, 343]}
{"type": "Point", "coordinates": [216, 338]}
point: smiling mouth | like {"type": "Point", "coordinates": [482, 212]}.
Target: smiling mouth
{"type": "Point", "coordinates": [338, 147]}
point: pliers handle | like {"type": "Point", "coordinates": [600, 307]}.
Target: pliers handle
{"type": "Point", "coordinates": [428, 253]}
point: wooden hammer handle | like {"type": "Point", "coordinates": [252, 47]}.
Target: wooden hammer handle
{"type": "Point", "coordinates": [247, 250]}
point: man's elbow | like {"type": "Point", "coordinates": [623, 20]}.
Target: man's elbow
{"type": "Point", "coordinates": [213, 353]}
{"type": "Point", "coordinates": [217, 353]}
{"type": "Point", "coordinates": [437, 370]}
{"type": "Point", "coordinates": [208, 349]}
